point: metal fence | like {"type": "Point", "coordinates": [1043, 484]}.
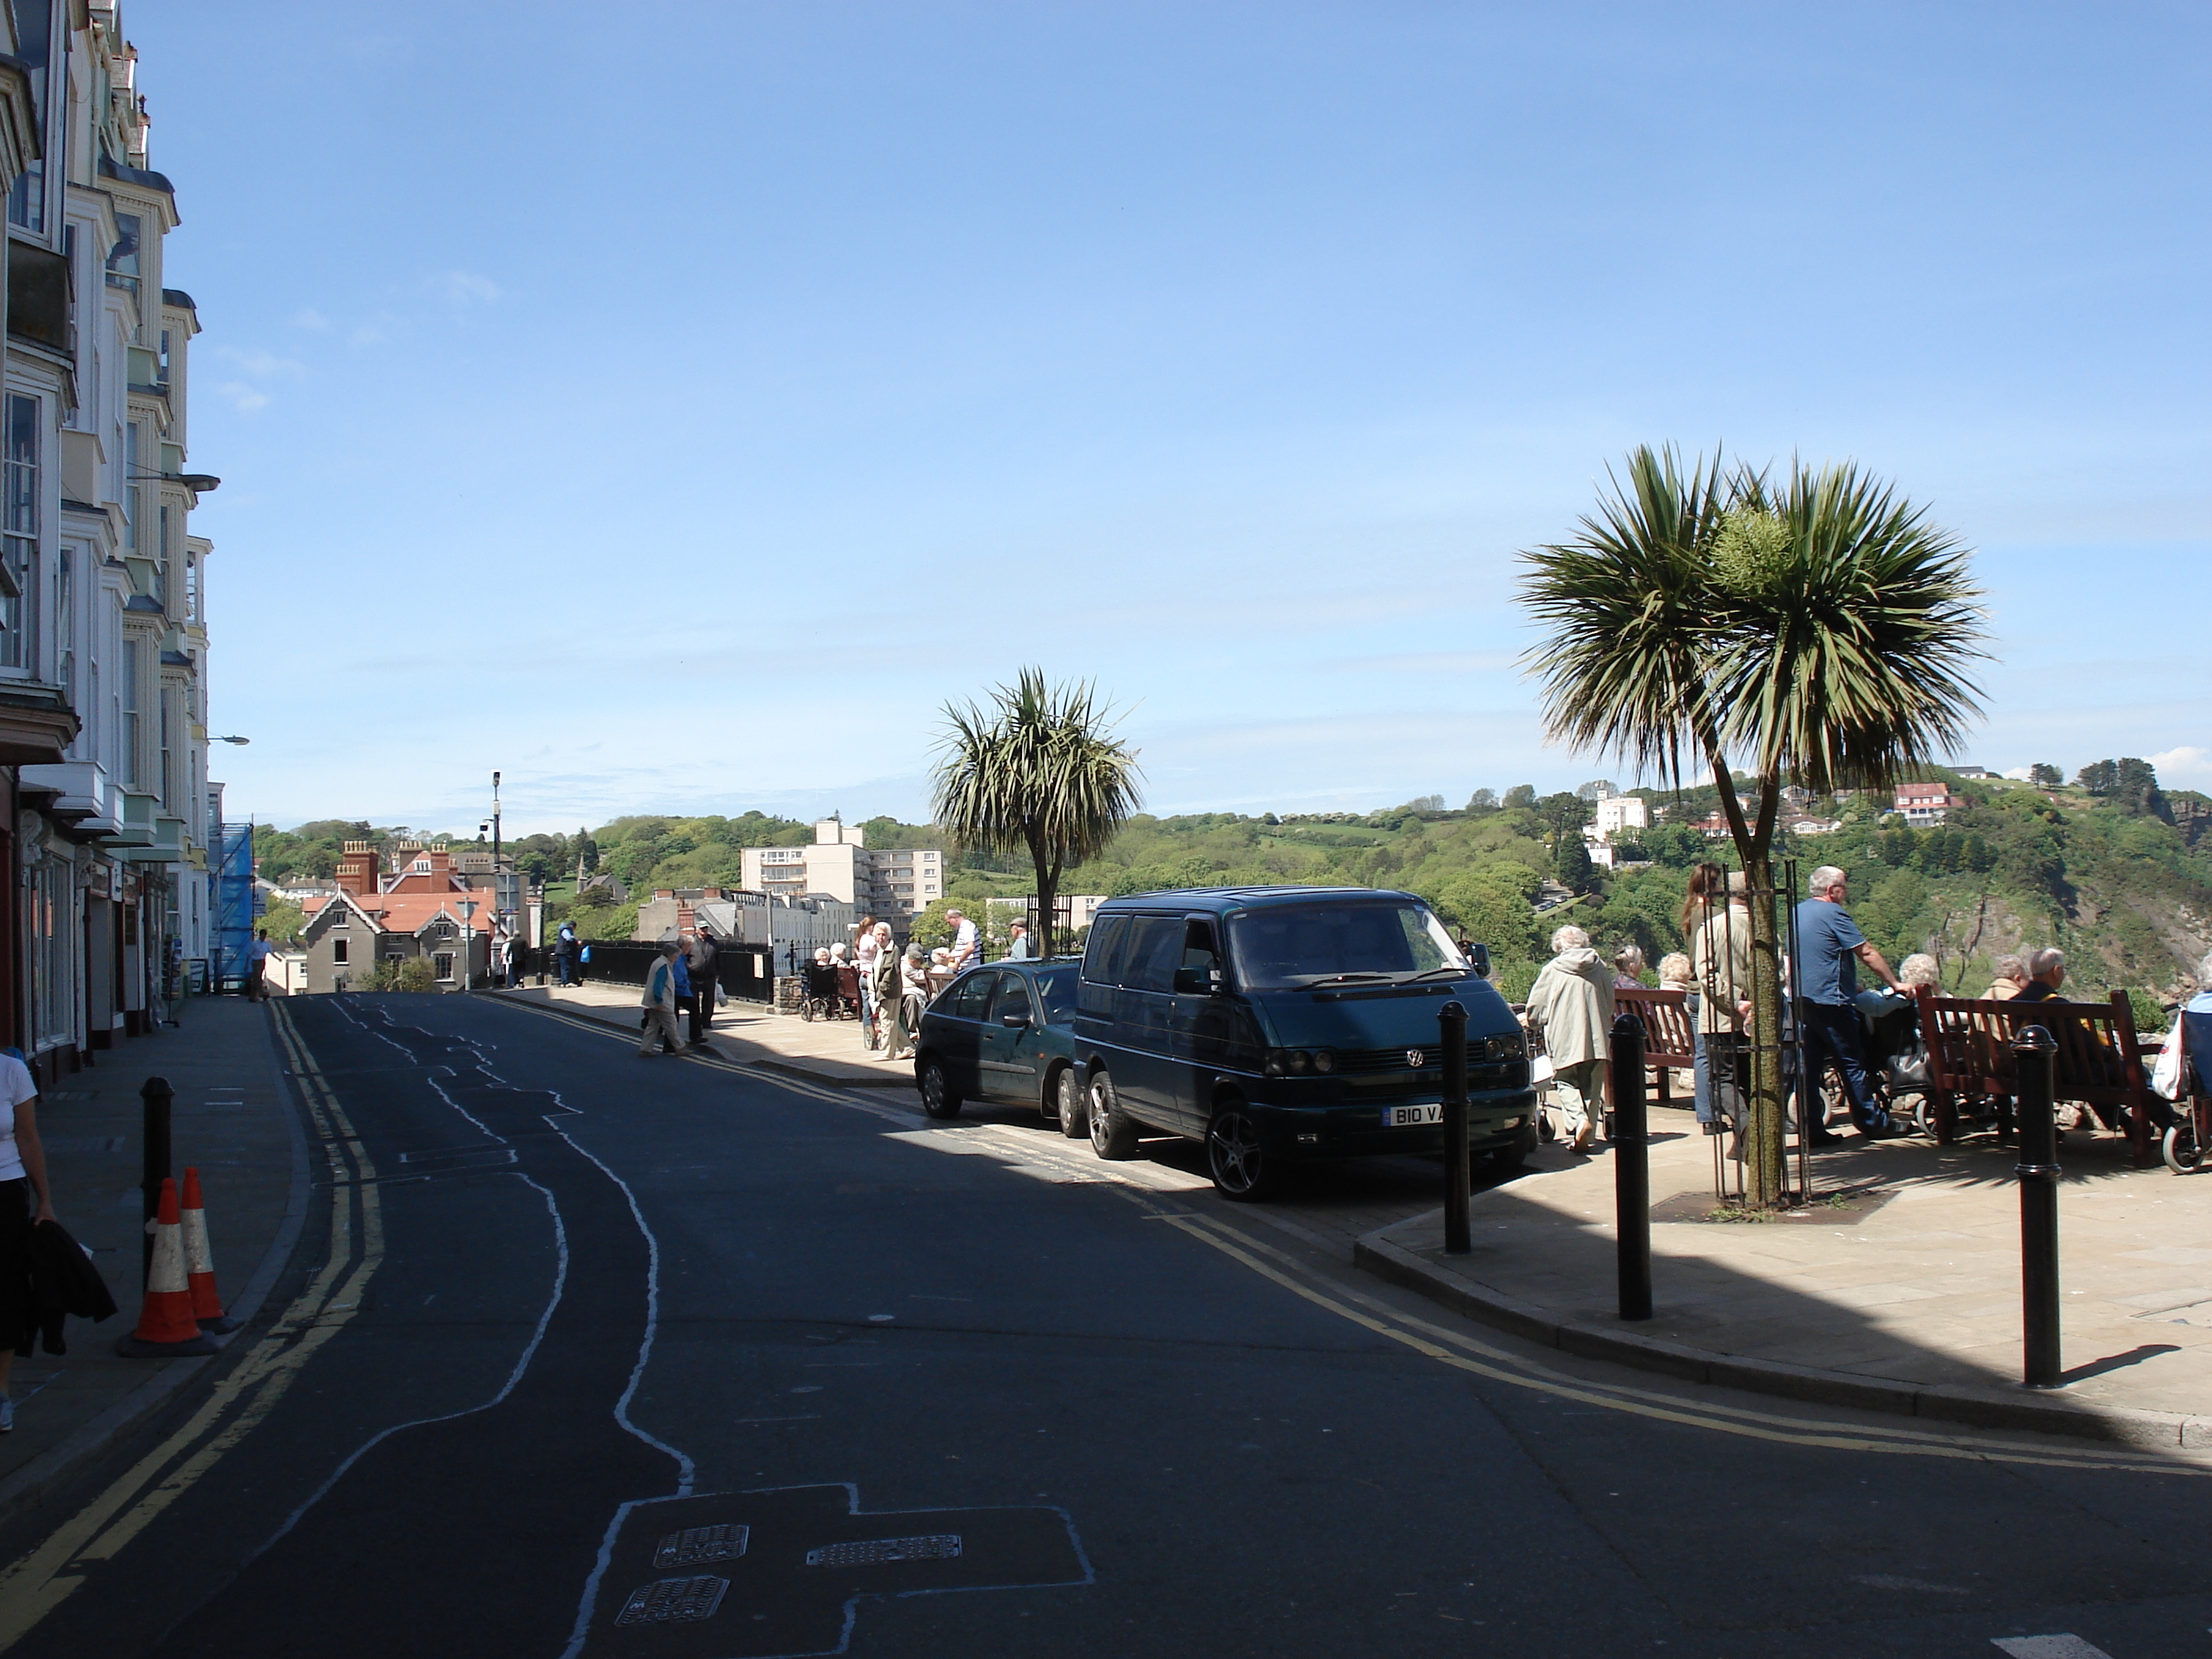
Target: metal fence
{"type": "Point", "coordinates": [744, 972]}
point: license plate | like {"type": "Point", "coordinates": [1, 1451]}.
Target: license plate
{"type": "Point", "coordinates": [1399, 1117]}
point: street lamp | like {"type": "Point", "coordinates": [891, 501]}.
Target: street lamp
{"type": "Point", "coordinates": [240, 741]}
{"type": "Point", "coordinates": [468, 942]}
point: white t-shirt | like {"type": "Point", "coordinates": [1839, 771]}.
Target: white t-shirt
{"type": "Point", "coordinates": [965, 944]}
{"type": "Point", "coordinates": [15, 1088]}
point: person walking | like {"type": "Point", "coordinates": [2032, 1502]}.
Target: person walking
{"type": "Point", "coordinates": [1572, 1007]}
{"type": "Point", "coordinates": [659, 1001]}
{"type": "Point", "coordinates": [684, 1003]}
{"type": "Point", "coordinates": [25, 1199]}
{"type": "Point", "coordinates": [913, 998]}
{"type": "Point", "coordinates": [883, 994]}
{"type": "Point", "coordinates": [256, 964]}
{"type": "Point", "coordinates": [1829, 947]}
{"type": "Point", "coordinates": [1020, 947]}
{"type": "Point", "coordinates": [565, 946]}
{"type": "Point", "coordinates": [699, 958]}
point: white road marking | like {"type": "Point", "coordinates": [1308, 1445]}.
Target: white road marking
{"type": "Point", "coordinates": [2063, 1646]}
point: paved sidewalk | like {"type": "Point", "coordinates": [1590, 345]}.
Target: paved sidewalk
{"type": "Point", "coordinates": [232, 1118]}
{"type": "Point", "coordinates": [745, 1031]}
{"type": "Point", "coordinates": [1906, 1298]}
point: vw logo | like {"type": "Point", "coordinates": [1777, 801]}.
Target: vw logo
{"type": "Point", "coordinates": [1416, 1058]}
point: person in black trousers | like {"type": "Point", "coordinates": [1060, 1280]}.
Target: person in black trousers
{"type": "Point", "coordinates": [699, 960]}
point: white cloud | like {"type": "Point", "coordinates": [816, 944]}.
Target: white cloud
{"type": "Point", "coordinates": [246, 398]}
{"type": "Point", "coordinates": [308, 316]}
{"type": "Point", "coordinates": [2019, 772]}
{"type": "Point", "coordinates": [461, 287]}
{"type": "Point", "coordinates": [2186, 766]}
{"type": "Point", "coordinates": [258, 363]}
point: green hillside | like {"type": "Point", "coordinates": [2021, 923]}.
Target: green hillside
{"type": "Point", "coordinates": [2121, 880]}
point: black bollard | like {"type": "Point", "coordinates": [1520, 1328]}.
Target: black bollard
{"type": "Point", "coordinates": [157, 1095]}
{"type": "Point", "coordinates": [1451, 1022]}
{"type": "Point", "coordinates": [2035, 1055]}
{"type": "Point", "coordinates": [1631, 1168]}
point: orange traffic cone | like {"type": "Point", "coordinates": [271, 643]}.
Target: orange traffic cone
{"type": "Point", "coordinates": [199, 1260]}
{"type": "Point", "coordinates": [166, 1329]}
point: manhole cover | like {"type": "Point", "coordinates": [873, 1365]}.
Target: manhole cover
{"type": "Point", "coordinates": [696, 1545]}
{"type": "Point", "coordinates": [933, 1547]}
{"type": "Point", "coordinates": [673, 1601]}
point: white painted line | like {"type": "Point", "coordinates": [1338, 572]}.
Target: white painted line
{"type": "Point", "coordinates": [2063, 1646]}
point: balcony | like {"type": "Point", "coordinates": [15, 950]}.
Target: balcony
{"type": "Point", "coordinates": [85, 796]}
{"type": "Point", "coordinates": [168, 842]}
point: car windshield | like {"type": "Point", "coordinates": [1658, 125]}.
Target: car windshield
{"type": "Point", "coordinates": [1056, 987]}
{"type": "Point", "coordinates": [1285, 946]}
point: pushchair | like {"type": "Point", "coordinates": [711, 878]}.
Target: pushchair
{"type": "Point", "coordinates": [2188, 1126]}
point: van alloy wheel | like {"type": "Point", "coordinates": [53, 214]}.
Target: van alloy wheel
{"type": "Point", "coordinates": [1113, 1135]}
{"type": "Point", "coordinates": [1242, 1169]}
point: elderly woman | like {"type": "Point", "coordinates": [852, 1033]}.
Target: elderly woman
{"type": "Point", "coordinates": [1628, 968]}
{"type": "Point", "coordinates": [911, 997]}
{"type": "Point", "coordinates": [1919, 969]}
{"type": "Point", "coordinates": [1572, 1007]}
{"type": "Point", "coordinates": [2006, 980]}
{"type": "Point", "coordinates": [1676, 974]}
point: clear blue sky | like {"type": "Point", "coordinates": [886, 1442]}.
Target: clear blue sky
{"type": "Point", "coordinates": [674, 405]}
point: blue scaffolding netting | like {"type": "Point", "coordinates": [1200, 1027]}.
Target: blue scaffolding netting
{"type": "Point", "coordinates": [236, 903]}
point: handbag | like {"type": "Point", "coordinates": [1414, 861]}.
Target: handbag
{"type": "Point", "coordinates": [584, 954]}
{"type": "Point", "coordinates": [2166, 1076]}
{"type": "Point", "coordinates": [1540, 1071]}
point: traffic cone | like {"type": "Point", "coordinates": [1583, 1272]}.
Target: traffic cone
{"type": "Point", "coordinates": [199, 1260]}
{"type": "Point", "coordinates": [166, 1328]}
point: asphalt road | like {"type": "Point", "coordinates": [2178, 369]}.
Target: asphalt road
{"type": "Point", "coordinates": [607, 1357]}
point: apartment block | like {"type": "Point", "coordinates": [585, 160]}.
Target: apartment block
{"type": "Point", "coordinates": [891, 884]}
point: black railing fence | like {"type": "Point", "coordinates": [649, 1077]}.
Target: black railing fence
{"type": "Point", "coordinates": [744, 972]}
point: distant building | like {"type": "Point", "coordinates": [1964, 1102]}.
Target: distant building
{"type": "Point", "coordinates": [1974, 771]}
{"type": "Point", "coordinates": [1813, 826]}
{"type": "Point", "coordinates": [425, 908]}
{"type": "Point", "coordinates": [1922, 803]}
{"type": "Point", "coordinates": [1616, 813]}
{"type": "Point", "coordinates": [760, 919]}
{"type": "Point", "coordinates": [1071, 915]}
{"type": "Point", "coordinates": [891, 884]}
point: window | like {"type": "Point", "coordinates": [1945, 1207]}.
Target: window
{"type": "Point", "coordinates": [168, 774]}
{"type": "Point", "coordinates": [123, 258]}
{"type": "Point", "coordinates": [443, 963]}
{"type": "Point", "coordinates": [1154, 953]}
{"type": "Point", "coordinates": [339, 949]}
{"type": "Point", "coordinates": [192, 586]}
{"type": "Point", "coordinates": [1013, 999]}
{"type": "Point", "coordinates": [342, 918]}
{"type": "Point", "coordinates": [18, 520]}
{"type": "Point", "coordinates": [970, 995]}
{"type": "Point", "coordinates": [34, 35]}
{"type": "Point", "coordinates": [421, 867]}
{"type": "Point", "coordinates": [65, 623]}
{"type": "Point", "coordinates": [132, 669]}
{"type": "Point", "coordinates": [131, 512]}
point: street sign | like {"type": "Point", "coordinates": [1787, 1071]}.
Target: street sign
{"type": "Point", "coordinates": [749, 1575]}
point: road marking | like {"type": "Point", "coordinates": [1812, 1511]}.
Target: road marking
{"type": "Point", "coordinates": [2047, 1647]}
{"type": "Point", "coordinates": [37, 1583]}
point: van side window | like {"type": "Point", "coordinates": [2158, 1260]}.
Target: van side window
{"type": "Point", "coordinates": [1101, 958]}
{"type": "Point", "coordinates": [1154, 954]}
{"type": "Point", "coordinates": [1198, 947]}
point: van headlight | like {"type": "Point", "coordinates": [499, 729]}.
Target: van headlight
{"type": "Point", "coordinates": [1324, 1060]}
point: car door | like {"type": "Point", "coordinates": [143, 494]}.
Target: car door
{"type": "Point", "coordinates": [958, 1016]}
{"type": "Point", "coordinates": [1010, 1038]}
{"type": "Point", "coordinates": [1148, 1079]}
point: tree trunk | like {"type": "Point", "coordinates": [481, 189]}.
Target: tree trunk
{"type": "Point", "coordinates": [1766, 1166]}
{"type": "Point", "coordinates": [1048, 896]}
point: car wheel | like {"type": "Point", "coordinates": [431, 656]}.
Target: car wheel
{"type": "Point", "coordinates": [1113, 1132]}
{"type": "Point", "coordinates": [1074, 1122]}
{"type": "Point", "coordinates": [1242, 1167]}
{"type": "Point", "coordinates": [938, 1097]}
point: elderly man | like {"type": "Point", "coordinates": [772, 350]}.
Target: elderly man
{"type": "Point", "coordinates": [967, 943]}
{"type": "Point", "coordinates": [1571, 1006]}
{"type": "Point", "coordinates": [1019, 946]}
{"type": "Point", "coordinates": [1829, 947]}
{"type": "Point", "coordinates": [2046, 972]}
{"type": "Point", "coordinates": [660, 1002]}
{"type": "Point", "coordinates": [2006, 980]}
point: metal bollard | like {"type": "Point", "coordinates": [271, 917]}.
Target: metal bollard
{"type": "Point", "coordinates": [1632, 1170]}
{"type": "Point", "coordinates": [2035, 1056]}
{"type": "Point", "coordinates": [157, 1096]}
{"type": "Point", "coordinates": [1451, 1022]}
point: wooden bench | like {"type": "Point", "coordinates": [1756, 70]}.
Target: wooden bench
{"type": "Point", "coordinates": [1669, 1043]}
{"type": "Point", "coordinates": [2099, 1062]}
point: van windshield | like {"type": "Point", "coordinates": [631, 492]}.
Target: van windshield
{"type": "Point", "coordinates": [1289, 946]}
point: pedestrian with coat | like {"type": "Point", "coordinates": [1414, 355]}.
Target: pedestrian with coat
{"type": "Point", "coordinates": [1572, 1007]}
{"type": "Point", "coordinates": [700, 958]}
{"type": "Point", "coordinates": [659, 1001]}
{"type": "Point", "coordinates": [885, 995]}
{"type": "Point", "coordinates": [565, 947]}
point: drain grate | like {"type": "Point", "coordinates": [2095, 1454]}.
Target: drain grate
{"type": "Point", "coordinates": [933, 1547]}
{"type": "Point", "coordinates": [673, 1601]}
{"type": "Point", "coordinates": [696, 1545]}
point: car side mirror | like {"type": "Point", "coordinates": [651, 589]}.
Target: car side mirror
{"type": "Point", "coordinates": [1478, 958]}
{"type": "Point", "coordinates": [1197, 982]}
{"type": "Point", "coordinates": [1015, 1020]}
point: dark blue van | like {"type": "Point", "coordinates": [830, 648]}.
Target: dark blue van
{"type": "Point", "coordinates": [1281, 1024]}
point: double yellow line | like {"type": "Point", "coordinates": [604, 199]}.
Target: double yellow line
{"type": "Point", "coordinates": [41, 1581]}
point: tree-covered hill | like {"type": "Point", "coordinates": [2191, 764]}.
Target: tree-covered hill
{"type": "Point", "coordinates": [2113, 870]}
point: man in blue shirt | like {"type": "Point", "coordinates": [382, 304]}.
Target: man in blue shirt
{"type": "Point", "coordinates": [1829, 949]}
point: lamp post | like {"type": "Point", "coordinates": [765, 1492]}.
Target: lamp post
{"type": "Point", "coordinates": [468, 942]}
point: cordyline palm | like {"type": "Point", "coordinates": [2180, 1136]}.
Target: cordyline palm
{"type": "Point", "coordinates": [1037, 770]}
{"type": "Point", "coordinates": [1819, 631]}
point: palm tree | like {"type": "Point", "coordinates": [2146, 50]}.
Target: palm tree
{"type": "Point", "coordinates": [1039, 771]}
{"type": "Point", "coordinates": [1819, 631]}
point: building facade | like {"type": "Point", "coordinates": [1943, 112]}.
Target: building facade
{"type": "Point", "coordinates": [103, 631]}
{"type": "Point", "coordinates": [425, 907]}
{"type": "Point", "coordinates": [1923, 804]}
{"type": "Point", "coordinates": [890, 883]}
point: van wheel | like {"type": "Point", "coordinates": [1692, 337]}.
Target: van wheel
{"type": "Point", "coordinates": [1242, 1169]}
{"type": "Point", "coordinates": [1113, 1132]}
{"type": "Point", "coordinates": [937, 1099]}
{"type": "Point", "coordinates": [1074, 1122]}
{"type": "Point", "coordinates": [1506, 1159]}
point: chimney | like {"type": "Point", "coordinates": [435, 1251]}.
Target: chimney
{"type": "Point", "coordinates": [358, 869]}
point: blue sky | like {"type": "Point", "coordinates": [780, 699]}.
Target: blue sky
{"type": "Point", "coordinates": [674, 406]}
